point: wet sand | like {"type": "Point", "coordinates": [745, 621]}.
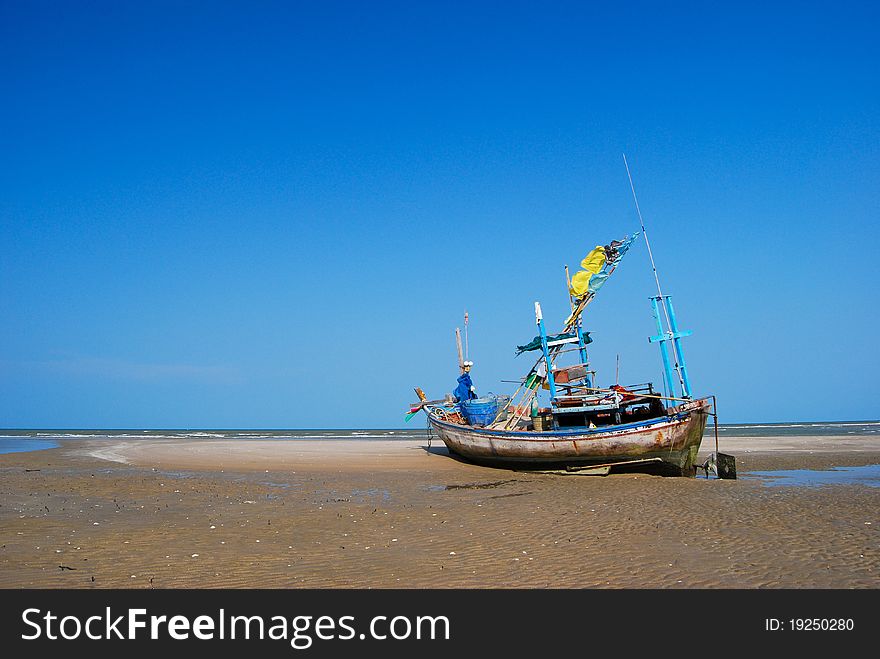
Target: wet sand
{"type": "Point", "coordinates": [378, 514]}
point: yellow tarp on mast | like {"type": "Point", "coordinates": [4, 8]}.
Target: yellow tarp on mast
{"type": "Point", "coordinates": [592, 264]}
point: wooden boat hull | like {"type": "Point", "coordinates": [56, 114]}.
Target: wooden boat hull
{"type": "Point", "coordinates": [674, 439]}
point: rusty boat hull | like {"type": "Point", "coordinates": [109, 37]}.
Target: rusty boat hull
{"type": "Point", "coordinates": [672, 441]}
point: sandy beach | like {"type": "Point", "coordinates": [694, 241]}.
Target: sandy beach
{"type": "Point", "coordinates": [379, 514]}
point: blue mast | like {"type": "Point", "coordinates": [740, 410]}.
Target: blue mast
{"type": "Point", "coordinates": [579, 328]}
{"type": "Point", "coordinates": [679, 353]}
{"type": "Point", "coordinates": [661, 338]}
{"type": "Point", "coordinates": [672, 333]}
{"type": "Point", "coordinates": [582, 349]}
{"type": "Point", "coordinates": [539, 318]}
{"type": "Point", "coordinates": [675, 336]}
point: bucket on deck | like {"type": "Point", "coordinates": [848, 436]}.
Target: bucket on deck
{"type": "Point", "coordinates": [482, 411]}
{"type": "Point", "coordinates": [542, 422]}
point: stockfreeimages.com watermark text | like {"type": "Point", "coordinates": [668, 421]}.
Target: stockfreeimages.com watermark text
{"type": "Point", "coordinates": [300, 631]}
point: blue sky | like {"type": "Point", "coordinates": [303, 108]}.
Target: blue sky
{"type": "Point", "coordinates": [274, 215]}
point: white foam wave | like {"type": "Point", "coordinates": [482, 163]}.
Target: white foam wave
{"type": "Point", "coordinates": [798, 425]}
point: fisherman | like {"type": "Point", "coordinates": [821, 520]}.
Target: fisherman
{"type": "Point", "coordinates": [465, 389]}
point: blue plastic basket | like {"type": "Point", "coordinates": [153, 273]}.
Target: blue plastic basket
{"type": "Point", "coordinates": [482, 411]}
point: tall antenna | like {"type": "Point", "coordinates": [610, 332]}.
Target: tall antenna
{"type": "Point", "coordinates": [642, 223]}
{"type": "Point", "coordinates": [670, 333]}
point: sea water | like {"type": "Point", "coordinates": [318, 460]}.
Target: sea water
{"type": "Point", "coordinates": [793, 429]}
{"type": "Point", "coordinates": [22, 445]}
{"type": "Point", "coordinates": [865, 475]}
{"type": "Point", "coordinates": [12, 441]}
{"type": "Point", "coordinates": [19, 440]}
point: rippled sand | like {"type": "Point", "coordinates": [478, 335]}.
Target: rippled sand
{"type": "Point", "coordinates": [393, 514]}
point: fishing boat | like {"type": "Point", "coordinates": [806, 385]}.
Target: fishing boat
{"type": "Point", "coordinates": [586, 428]}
